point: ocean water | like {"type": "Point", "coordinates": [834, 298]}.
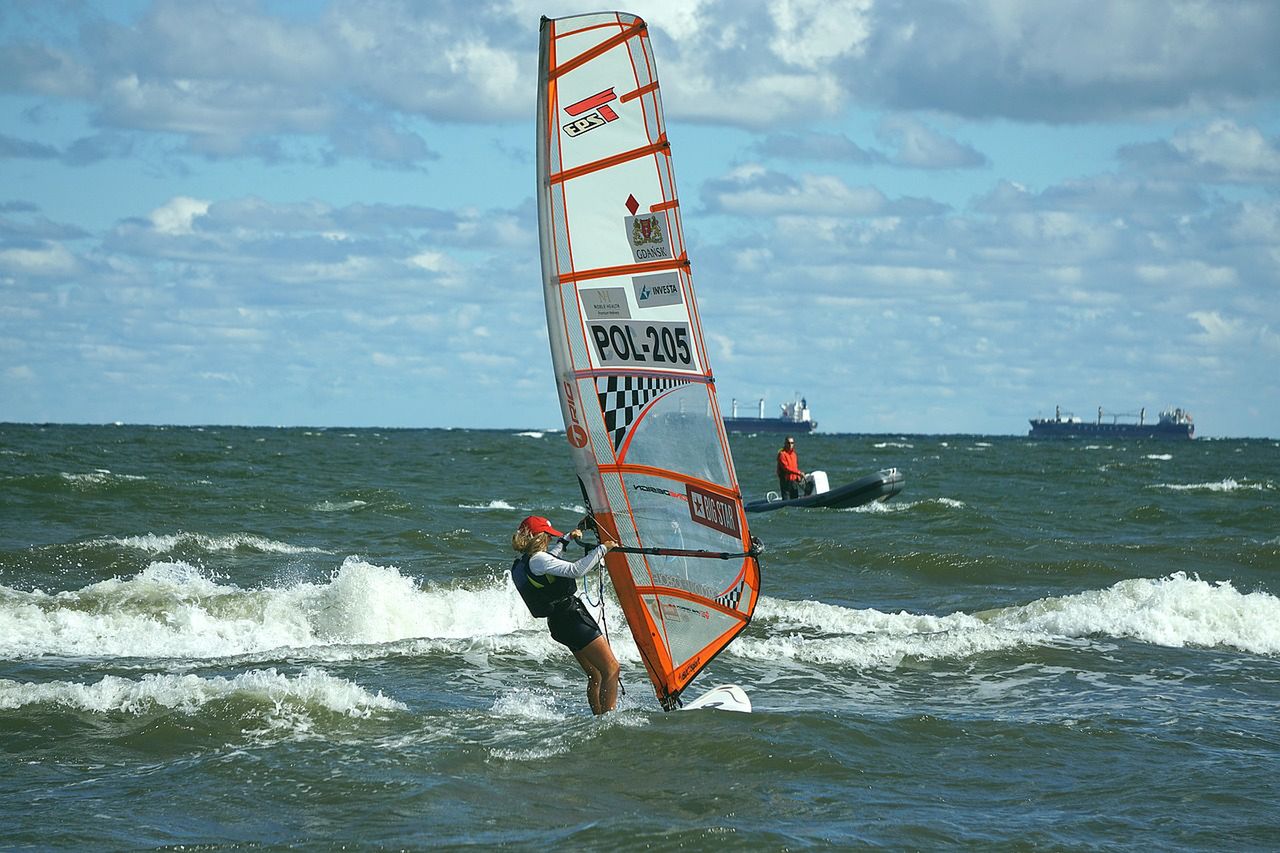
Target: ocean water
{"type": "Point", "coordinates": [246, 638]}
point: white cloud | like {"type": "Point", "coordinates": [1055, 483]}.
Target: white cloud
{"type": "Point", "coordinates": [763, 100]}
{"type": "Point", "coordinates": [920, 146]}
{"type": "Point", "coordinates": [219, 377]}
{"type": "Point", "coordinates": [349, 269]}
{"type": "Point", "coordinates": [1217, 330]}
{"type": "Point", "coordinates": [1191, 273]}
{"type": "Point", "coordinates": [811, 34]}
{"type": "Point", "coordinates": [898, 277]}
{"type": "Point", "coordinates": [753, 190]}
{"type": "Point", "coordinates": [1221, 151]}
{"type": "Point", "coordinates": [177, 215]}
{"type": "Point", "coordinates": [813, 145]}
{"type": "Point", "coordinates": [50, 261]}
{"type": "Point", "coordinates": [110, 353]}
{"type": "Point", "coordinates": [1239, 153]}
{"type": "Point", "coordinates": [1060, 237]}
{"type": "Point", "coordinates": [1068, 61]}
{"type": "Point", "coordinates": [1064, 274]}
{"type": "Point", "coordinates": [1257, 223]}
{"type": "Point", "coordinates": [236, 80]}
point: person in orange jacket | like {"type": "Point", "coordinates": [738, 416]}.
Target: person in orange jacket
{"type": "Point", "coordinates": [790, 477]}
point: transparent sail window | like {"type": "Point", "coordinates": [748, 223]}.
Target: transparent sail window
{"type": "Point", "coordinates": [680, 432]}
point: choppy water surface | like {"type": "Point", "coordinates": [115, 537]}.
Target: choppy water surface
{"type": "Point", "coordinates": [247, 637]}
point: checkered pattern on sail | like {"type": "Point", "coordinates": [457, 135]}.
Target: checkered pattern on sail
{"type": "Point", "coordinates": [731, 598]}
{"type": "Point", "coordinates": [622, 398]}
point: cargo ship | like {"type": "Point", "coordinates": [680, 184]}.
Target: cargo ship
{"type": "Point", "coordinates": [1173, 424]}
{"type": "Point", "coordinates": [793, 418]}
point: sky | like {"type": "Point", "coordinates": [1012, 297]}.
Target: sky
{"type": "Point", "coordinates": [923, 216]}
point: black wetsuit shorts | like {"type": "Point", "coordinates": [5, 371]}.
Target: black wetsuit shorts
{"type": "Point", "coordinates": [572, 625]}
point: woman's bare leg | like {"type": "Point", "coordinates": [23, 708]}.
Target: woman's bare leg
{"type": "Point", "coordinates": [601, 667]}
{"type": "Point", "coordinates": [593, 682]}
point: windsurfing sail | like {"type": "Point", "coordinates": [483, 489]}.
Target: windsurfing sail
{"type": "Point", "coordinates": [636, 389]}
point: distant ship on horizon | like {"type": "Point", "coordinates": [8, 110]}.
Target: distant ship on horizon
{"type": "Point", "coordinates": [794, 417]}
{"type": "Point", "coordinates": [1174, 423]}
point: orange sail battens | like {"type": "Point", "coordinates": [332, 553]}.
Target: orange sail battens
{"type": "Point", "coordinates": [604, 47]}
{"type": "Point", "coordinates": [641, 92]}
{"type": "Point", "coordinates": [625, 269]}
{"type": "Point", "coordinates": [617, 159]}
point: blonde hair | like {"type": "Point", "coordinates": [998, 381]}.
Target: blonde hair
{"type": "Point", "coordinates": [528, 543]}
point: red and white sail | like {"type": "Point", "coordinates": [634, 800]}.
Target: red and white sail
{"type": "Point", "coordinates": [631, 367]}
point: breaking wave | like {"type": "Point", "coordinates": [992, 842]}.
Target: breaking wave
{"type": "Point", "coordinates": [1227, 485]}
{"type": "Point", "coordinates": [1175, 611]}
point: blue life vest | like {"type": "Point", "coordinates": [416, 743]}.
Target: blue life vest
{"type": "Point", "coordinates": [542, 594]}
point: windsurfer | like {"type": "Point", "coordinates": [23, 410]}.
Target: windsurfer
{"type": "Point", "coordinates": [549, 586]}
{"type": "Point", "coordinates": [790, 477]}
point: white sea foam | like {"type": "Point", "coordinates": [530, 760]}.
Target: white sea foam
{"type": "Point", "coordinates": [1176, 611]}
{"type": "Point", "coordinates": [494, 504]}
{"type": "Point", "coordinates": [164, 543]}
{"type": "Point", "coordinates": [833, 618]}
{"type": "Point", "coordinates": [813, 632]}
{"type": "Point", "coordinates": [877, 651]}
{"type": "Point", "coordinates": [1162, 457]}
{"type": "Point", "coordinates": [1227, 485]}
{"type": "Point", "coordinates": [99, 477]}
{"type": "Point", "coordinates": [881, 445]}
{"type": "Point", "coordinates": [528, 704]}
{"type": "Point", "coordinates": [531, 434]}
{"type": "Point", "coordinates": [905, 506]}
{"type": "Point", "coordinates": [312, 688]}
{"type": "Point", "coordinates": [172, 610]}
{"type": "Point", "coordinates": [344, 506]}
{"type": "Point", "coordinates": [364, 611]}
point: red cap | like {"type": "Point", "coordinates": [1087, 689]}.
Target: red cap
{"type": "Point", "coordinates": [537, 524]}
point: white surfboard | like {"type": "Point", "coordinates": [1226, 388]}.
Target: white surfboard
{"type": "Point", "coordinates": [726, 697]}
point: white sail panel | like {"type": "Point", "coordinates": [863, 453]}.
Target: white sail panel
{"type": "Point", "coordinates": [637, 393]}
